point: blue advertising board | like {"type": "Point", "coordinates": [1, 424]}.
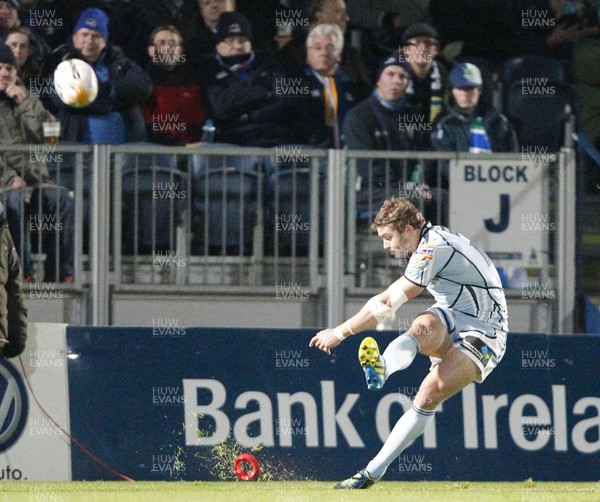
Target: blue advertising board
{"type": "Point", "coordinates": [180, 403]}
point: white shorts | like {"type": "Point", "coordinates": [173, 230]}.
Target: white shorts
{"type": "Point", "coordinates": [483, 343]}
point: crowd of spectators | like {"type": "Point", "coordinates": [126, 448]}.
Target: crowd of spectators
{"type": "Point", "coordinates": [271, 61]}
{"type": "Point", "coordinates": [324, 73]}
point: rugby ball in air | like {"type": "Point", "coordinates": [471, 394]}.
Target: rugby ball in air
{"type": "Point", "coordinates": [75, 83]}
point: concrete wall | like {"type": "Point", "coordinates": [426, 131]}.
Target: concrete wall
{"type": "Point", "coordinates": [59, 306]}
{"type": "Point", "coordinates": [252, 311]}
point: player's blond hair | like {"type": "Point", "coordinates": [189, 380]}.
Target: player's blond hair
{"type": "Point", "coordinates": [398, 212]}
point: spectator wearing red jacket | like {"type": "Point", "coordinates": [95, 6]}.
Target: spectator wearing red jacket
{"type": "Point", "coordinates": [174, 113]}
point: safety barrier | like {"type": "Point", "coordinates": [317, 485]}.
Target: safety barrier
{"type": "Point", "coordinates": [224, 219]}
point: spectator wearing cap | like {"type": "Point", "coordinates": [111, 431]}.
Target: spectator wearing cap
{"type": "Point", "coordinates": [386, 121]}
{"type": "Point", "coordinates": [240, 88]}
{"type": "Point", "coordinates": [28, 193]}
{"type": "Point", "coordinates": [325, 92]}
{"type": "Point", "coordinates": [428, 78]}
{"type": "Point", "coordinates": [10, 18]}
{"type": "Point", "coordinates": [469, 124]}
{"type": "Point", "coordinates": [115, 116]}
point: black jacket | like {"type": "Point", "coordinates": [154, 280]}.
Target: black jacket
{"type": "Point", "coordinates": [246, 111]}
{"type": "Point", "coordinates": [371, 126]}
{"type": "Point", "coordinates": [127, 86]}
{"type": "Point", "coordinates": [13, 313]}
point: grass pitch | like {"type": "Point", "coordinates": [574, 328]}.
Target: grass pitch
{"type": "Point", "coordinates": [295, 491]}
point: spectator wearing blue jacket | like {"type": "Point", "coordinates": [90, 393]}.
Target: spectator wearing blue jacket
{"type": "Point", "coordinates": [115, 116]}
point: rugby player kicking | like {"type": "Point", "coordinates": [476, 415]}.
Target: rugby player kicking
{"type": "Point", "coordinates": [464, 332]}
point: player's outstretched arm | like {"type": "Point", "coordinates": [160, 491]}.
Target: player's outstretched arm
{"type": "Point", "coordinates": [376, 310]}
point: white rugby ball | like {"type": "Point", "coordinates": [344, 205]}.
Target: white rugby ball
{"type": "Point", "coordinates": [75, 83]}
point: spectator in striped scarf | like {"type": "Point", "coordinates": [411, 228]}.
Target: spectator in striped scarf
{"type": "Point", "coordinates": [428, 77]}
{"type": "Point", "coordinates": [469, 125]}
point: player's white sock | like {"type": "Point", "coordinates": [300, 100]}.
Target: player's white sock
{"type": "Point", "coordinates": [400, 354]}
{"type": "Point", "coordinates": [410, 426]}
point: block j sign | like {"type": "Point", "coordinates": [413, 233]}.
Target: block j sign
{"type": "Point", "coordinates": [507, 206]}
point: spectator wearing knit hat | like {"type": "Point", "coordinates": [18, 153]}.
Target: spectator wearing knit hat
{"type": "Point", "coordinates": [387, 121]}
{"type": "Point", "coordinates": [114, 117]}
{"type": "Point", "coordinates": [240, 88]}
{"type": "Point", "coordinates": [373, 124]}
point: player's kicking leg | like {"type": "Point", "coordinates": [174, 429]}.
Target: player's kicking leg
{"type": "Point", "coordinates": [447, 378]}
{"type": "Point", "coordinates": [454, 373]}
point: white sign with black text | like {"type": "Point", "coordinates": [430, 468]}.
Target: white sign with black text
{"type": "Point", "coordinates": [502, 205]}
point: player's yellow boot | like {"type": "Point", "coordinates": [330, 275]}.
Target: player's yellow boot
{"type": "Point", "coordinates": [372, 363]}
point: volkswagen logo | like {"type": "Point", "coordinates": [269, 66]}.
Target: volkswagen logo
{"type": "Point", "coordinates": [14, 405]}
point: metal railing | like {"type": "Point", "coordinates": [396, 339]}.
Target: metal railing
{"type": "Point", "coordinates": [216, 217]}
{"type": "Point", "coordinates": [40, 212]}
{"type": "Point", "coordinates": [224, 219]}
